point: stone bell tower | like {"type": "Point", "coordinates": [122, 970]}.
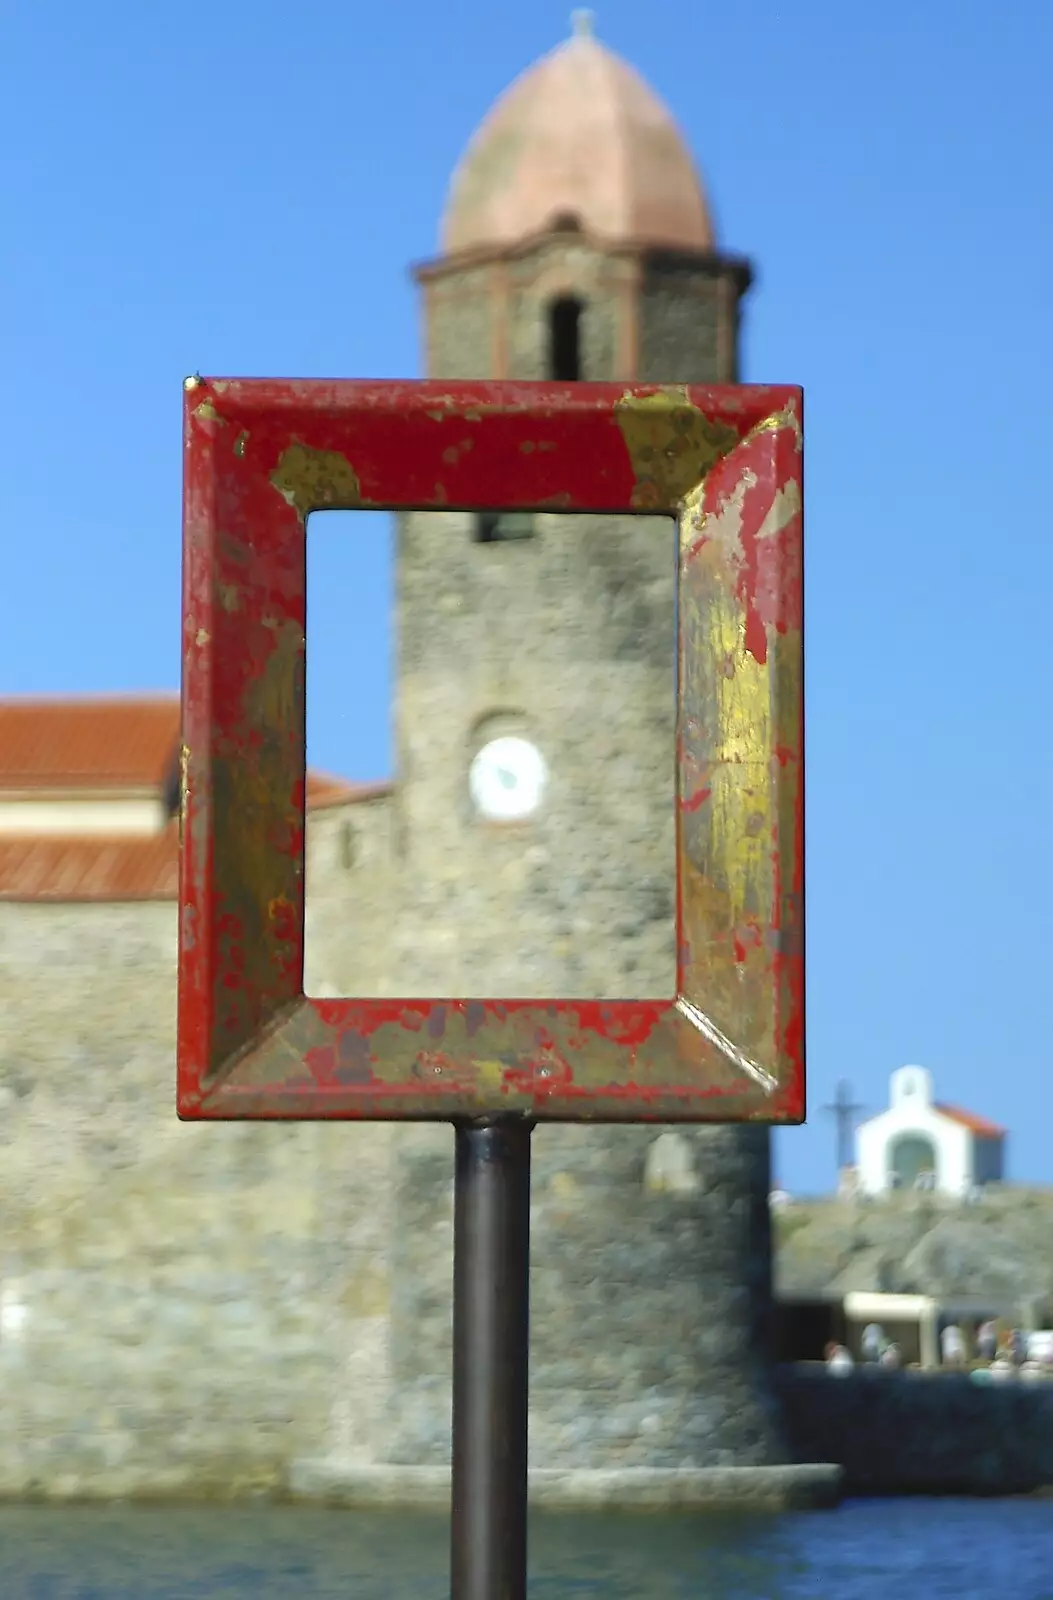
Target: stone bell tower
{"type": "Point", "coordinates": [535, 793]}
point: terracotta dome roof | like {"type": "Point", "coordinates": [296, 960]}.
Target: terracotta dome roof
{"type": "Point", "coordinates": [579, 138]}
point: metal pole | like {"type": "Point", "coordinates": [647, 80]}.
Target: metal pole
{"type": "Point", "coordinates": [491, 1358]}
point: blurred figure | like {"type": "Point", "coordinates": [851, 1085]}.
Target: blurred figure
{"type": "Point", "coordinates": [892, 1356]}
{"type": "Point", "coordinates": [987, 1341]}
{"type": "Point", "coordinates": [873, 1341]}
{"type": "Point", "coordinates": [838, 1359]}
{"type": "Point", "coordinates": [1017, 1347]}
{"type": "Point", "coordinates": [952, 1346]}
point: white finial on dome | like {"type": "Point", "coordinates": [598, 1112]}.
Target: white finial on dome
{"type": "Point", "coordinates": [582, 22]}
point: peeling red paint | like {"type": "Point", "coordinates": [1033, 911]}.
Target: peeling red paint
{"type": "Point", "coordinates": [250, 1043]}
{"type": "Point", "coordinates": [692, 802]}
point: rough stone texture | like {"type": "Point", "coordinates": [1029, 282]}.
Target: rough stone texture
{"type": "Point", "coordinates": [922, 1433]}
{"type": "Point", "coordinates": [557, 268]}
{"type": "Point", "coordinates": [353, 860]}
{"type": "Point", "coordinates": [203, 1306]}
{"type": "Point", "coordinates": [566, 637]}
{"type": "Point", "coordinates": [182, 1308]}
{"type": "Point", "coordinates": [912, 1242]}
{"type": "Point", "coordinates": [460, 326]}
{"type": "Point", "coordinates": [679, 320]}
{"type": "Point", "coordinates": [795, 1486]}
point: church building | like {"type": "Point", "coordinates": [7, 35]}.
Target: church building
{"type": "Point", "coordinates": [297, 1278]}
{"type": "Point", "coordinates": [925, 1144]}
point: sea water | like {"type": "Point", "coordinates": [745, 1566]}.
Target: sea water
{"type": "Point", "coordinates": [866, 1550]}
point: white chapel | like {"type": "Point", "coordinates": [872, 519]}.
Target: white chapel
{"type": "Point", "coordinates": [921, 1143]}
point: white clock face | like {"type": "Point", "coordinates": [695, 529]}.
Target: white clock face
{"type": "Point", "coordinates": [507, 779]}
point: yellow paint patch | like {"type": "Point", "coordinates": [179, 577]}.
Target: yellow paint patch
{"type": "Point", "coordinates": [692, 517]}
{"type": "Point", "coordinates": [184, 767]}
{"type": "Point", "coordinates": [786, 418]}
{"type": "Point", "coordinates": [672, 444]}
{"type": "Point", "coordinates": [740, 809]}
{"type": "Point", "coordinates": [316, 480]}
{"type": "Point", "coordinates": [272, 699]}
{"type": "Point", "coordinates": [489, 1074]}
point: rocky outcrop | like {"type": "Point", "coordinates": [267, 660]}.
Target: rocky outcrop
{"type": "Point", "coordinates": [999, 1248]}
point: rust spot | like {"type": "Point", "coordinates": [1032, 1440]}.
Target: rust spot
{"type": "Point", "coordinates": [672, 444]}
{"type": "Point", "coordinates": [453, 452]}
{"type": "Point", "coordinates": [316, 480]}
{"type": "Point", "coordinates": [208, 413]}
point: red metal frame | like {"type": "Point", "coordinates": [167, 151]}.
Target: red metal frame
{"type": "Point", "coordinates": [259, 457]}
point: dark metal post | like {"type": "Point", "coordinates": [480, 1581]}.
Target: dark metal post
{"type": "Point", "coordinates": [491, 1358]}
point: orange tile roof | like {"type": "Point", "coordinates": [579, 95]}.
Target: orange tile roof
{"type": "Point", "coordinates": [89, 744]}
{"type": "Point", "coordinates": [969, 1119]}
{"type": "Point", "coordinates": [324, 790]}
{"type": "Point", "coordinates": [105, 746]}
{"type": "Point", "coordinates": [91, 868]}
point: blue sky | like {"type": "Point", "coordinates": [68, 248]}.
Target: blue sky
{"type": "Point", "coordinates": [239, 189]}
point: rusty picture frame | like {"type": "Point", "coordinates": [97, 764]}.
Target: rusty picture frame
{"type": "Point", "coordinates": [726, 462]}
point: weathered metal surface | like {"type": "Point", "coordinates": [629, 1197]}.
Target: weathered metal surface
{"type": "Point", "coordinates": [259, 457]}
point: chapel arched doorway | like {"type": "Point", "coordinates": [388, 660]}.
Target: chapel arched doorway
{"type": "Point", "coordinates": [910, 1156]}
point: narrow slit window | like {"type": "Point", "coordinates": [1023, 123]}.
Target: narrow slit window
{"type": "Point", "coordinates": [565, 339]}
{"type": "Point", "coordinates": [499, 527]}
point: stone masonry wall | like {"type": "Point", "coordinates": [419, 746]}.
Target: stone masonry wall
{"type": "Point", "coordinates": [190, 1308]}
{"type": "Point", "coordinates": [459, 327]}
{"type": "Point", "coordinates": [557, 268]}
{"type": "Point", "coordinates": [354, 854]}
{"type": "Point", "coordinates": [679, 325]}
{"type": "Point", "coordinates": [569, 637]}
{"type": "Point", "coordinates": [181, 1307]}
{"type": "Point", "coordinates": [650, 1309]}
